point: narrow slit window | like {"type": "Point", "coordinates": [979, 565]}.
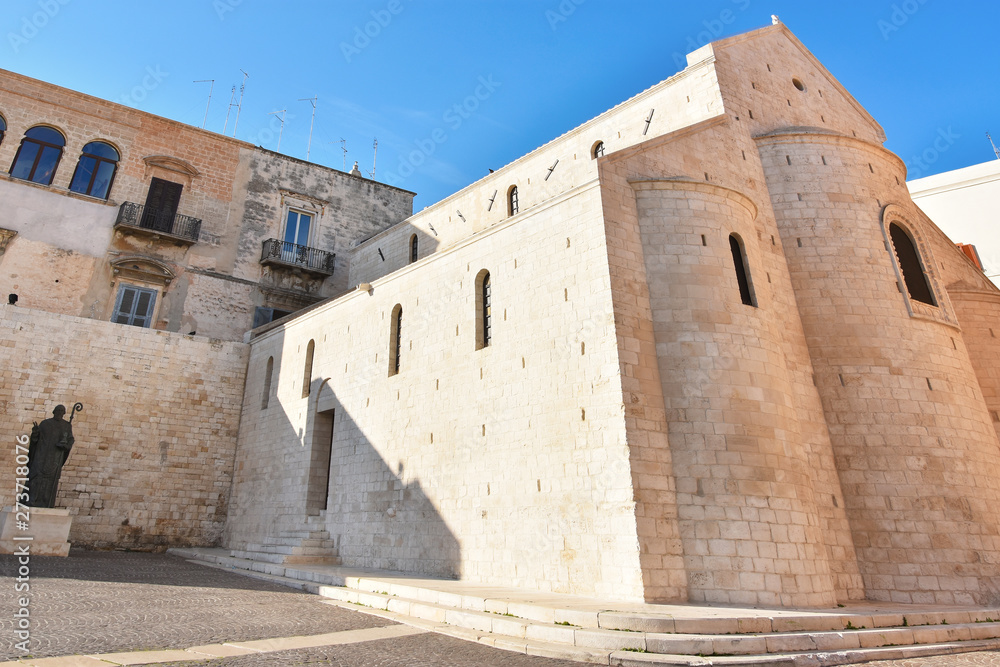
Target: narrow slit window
{"type": "Point", "coordinates": [307, 369]}
{"type": "Point", "coordinates": [742, 275]}
{"type": "Point", "coordinates": [598, 150]}
{"type": "Point", "coordinates": [484, 309]}
{"type": "Point", "coordinates": [266, 394]}
{"type": "Point", "coordinates": [910, 265]}
{"type": "Point", "coordinates": [413, 248]}
{"type": "Point", "coordinates": [395, 340]}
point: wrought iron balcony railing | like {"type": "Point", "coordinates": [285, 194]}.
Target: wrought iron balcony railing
{"type": "Point", "coordinates": [302, 257]}
{"type": "Point", "coordinates": [150, 220]}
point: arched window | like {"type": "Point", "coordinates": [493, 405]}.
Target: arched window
{"type": "Point", "coordinates": [484, 306]}
{"type": "Point", "coordinates": [307, 370]}
{"type": "Point", "coordinates": [598, 150]}
{"type": "Point", "coordinates": [266, 395]}
{"type": "Point", "coordinates": [38, 155]}
{"type": "Point", "coordinates": [395, 340]}
{"type": "Point", "coordinates": [742, 275]}
{"type": "Point", "coordinates": [910, 265]}
{"type": "Point", "coordinates": [512, 200]}
{"type": "Point", "coordinates": [3, 128]}
{"type": "Point", "coordinates": [95, 172]}
{"type": "Point", "coordinates": [413, 248]}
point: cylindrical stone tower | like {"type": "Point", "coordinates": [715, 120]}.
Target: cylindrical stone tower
{"type": "Point", "coordinates": [747, 516]}
{"type": "Point", "coordinates": [918, 458]}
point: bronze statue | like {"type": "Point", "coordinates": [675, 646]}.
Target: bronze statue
{"type": "Point", "coordinates": [47, 452]}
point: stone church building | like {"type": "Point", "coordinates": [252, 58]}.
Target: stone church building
{"type": "Point", "coordinates": [703, 348]}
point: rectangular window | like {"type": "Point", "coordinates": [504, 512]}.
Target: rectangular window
{"type": "Point", "coordinates": [262, 316]}
{"type": "Point", "coordinates": [134, 306]}
{"type": "Point", "coordinates": [295, 246]}
{"type": "Point", "coordinates": [162, 201]}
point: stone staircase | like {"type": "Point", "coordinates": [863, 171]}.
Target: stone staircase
{"type": "Point", "coordinates": [310, 545]}
{"type": "Point", "coordinates": [637, 635]}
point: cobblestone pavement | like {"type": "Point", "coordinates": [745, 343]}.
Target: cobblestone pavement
{"type": "Point", "coordinates": [102, 602]}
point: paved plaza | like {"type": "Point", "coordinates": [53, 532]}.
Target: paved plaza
{"type": "Point", "coordinates": [100, 603]}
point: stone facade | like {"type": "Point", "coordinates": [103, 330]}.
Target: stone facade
{"type": "Point", "coordinates": [701, 348]}
{"type": "Point", "coordinates": [647, 422]}
{"type": "Point", "coordinates": [153, 459]}
{"type": "Point", "coordinates": [72, 252]}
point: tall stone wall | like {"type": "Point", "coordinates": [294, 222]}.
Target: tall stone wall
{"type": "Point", "coordinates": [918, 457]}
{"type": "Point", "coordinates": [152, 464]}
{"type": "Point", "coordinates": [505, 465]}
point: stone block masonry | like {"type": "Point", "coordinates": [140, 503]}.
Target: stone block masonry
{"type": "Point", "coordinates": [153, 458]}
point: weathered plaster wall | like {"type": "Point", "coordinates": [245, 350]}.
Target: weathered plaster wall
{"type": "Point", "coordinates": [153, 459]}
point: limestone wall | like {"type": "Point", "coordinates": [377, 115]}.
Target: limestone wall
{"type": "Point", "coordinates": [152, 463]}
{"type": "Point", "coordinates": [917, 454]}
{"type": "Point", "coordinates": [505, 465]}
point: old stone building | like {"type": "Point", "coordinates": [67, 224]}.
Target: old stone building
{"type": "Point", "coordinates": [703, 347]}
{"type": "Point", "coordinates": [115, 214]}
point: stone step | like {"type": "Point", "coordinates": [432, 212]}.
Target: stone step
{"type": "Point", "coordinates": [304, 534]}
{"type": "Point", "coordinates": [292, 549]}
{"type": "Point", "coordinates": [286, 558]}
{"type": "Point", "coordinates": [677, 643]}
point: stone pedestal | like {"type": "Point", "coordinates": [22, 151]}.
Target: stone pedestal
{"type": "Point", "coordinates": [48, 528]}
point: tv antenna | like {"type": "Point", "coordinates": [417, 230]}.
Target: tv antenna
{"type": "Point", "coordinates": [209, 98]}
{"type": "Point", "coordinates": [239, 107]}
{"type": "Point", "coordinates": [995, 149]}
{"type": "Point", "coordinates": [374, 159]}
{"type": "Point", "coordinates": [343, 147]}
{"type": "Point", "coordinates": [311, 100]}
{"type": "Point", "coordinates": [282, 129]}
{"type": "Point", "coordinates": [232, 96]}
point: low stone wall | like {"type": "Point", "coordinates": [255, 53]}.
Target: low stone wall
{"type": "Point", "coordinates": [153, 458]}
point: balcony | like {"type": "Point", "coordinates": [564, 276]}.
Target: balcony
{"type": "Point", "coordinates": [291, 256]}
{"type": "Point", "coordinates": [158, 224]}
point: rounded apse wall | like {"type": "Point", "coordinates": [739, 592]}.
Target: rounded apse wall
{"type": "Point", "coordinates": [747, 516]}
{"type": "Point", "coordinates": [917, 456]}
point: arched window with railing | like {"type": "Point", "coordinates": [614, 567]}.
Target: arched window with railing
{"type": "Point", "coordinates": [512, 203]}
{"type": "Point", "coordinates": [95, 172]}
{"type": "Point", "coordinates": [38, 155]}
{"type": "Point", "coordinates": [742, 272]}
{"type": "Point", "coordinates": [914, 277]}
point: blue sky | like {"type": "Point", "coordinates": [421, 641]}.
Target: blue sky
{"type": "Point", "coordinates": [395, 69]}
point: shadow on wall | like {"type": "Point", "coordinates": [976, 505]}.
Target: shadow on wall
{"type": "Point", "coordinates": [325, 473]}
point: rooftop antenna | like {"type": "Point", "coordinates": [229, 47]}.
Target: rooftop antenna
{"type": "Point", "coordinates": [343, 147]}
{"type": "Point", "coordinates": [239, 107]}
{"type": "Point", "coordinates": [995, 149]}
{"type": "Point", "coordinates": [232, 95]}
{"type": "Point", "coordinates": [282, 129]}
{"type": "Point", "coordinates": [374, 159]}
{"type": "Point", "coordinates": [209, 98]}
{"type": "Point", "coordinates": [311, 100]}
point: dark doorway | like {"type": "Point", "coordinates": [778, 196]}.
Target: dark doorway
{"type": "Point", "coordinates": [161, 205]}
{"type": "Point", "coordinates": [317, 492]}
